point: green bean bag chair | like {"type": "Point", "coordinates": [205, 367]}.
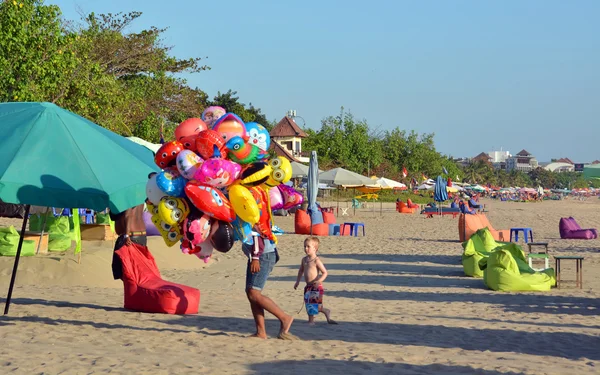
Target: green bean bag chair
{"type": "Point", "coordinates": [506, 269]}
{"type": "Point", "coordinates": [479, 246]}
{"type": "Point", "coordinates": [58, 229]}
{"type": "Point", "coordinates": [9, 241]}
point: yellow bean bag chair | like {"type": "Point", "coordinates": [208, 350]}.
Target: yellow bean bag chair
{"type": "Point", "coordinates": [479, 246]}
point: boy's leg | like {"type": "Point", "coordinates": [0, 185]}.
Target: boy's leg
{"type": "Point", "coordinates": [327, 314]}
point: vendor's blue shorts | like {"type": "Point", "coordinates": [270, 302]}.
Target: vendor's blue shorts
{"type": "Point", "coordinates": [258, 280]}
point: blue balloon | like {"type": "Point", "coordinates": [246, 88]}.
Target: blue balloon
{"type": "Point", "coordinates": [171, 183]}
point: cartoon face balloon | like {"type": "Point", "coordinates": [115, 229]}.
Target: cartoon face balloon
{"type": "Point", "coordinates": [196, 229]}
{"type": "Point", "coordinates": [170, 182]}
{"type": "Point", "coordinates": [230, 126]}
{"type": "Point", "coordinates": [258, 135]}
{"type": "Point", "coordinates": [291, 198]}
{"type": "Point", "coordinates": [170, 233]}
{"type": "Point", "coordinates": [173, 210]}
{"type": "Point", "coordinates": [275, 199]}
{"type": "Point", "coordinates": [188, 163]}
{"type": "Point", "coordinates": [218, 172]}
{"type": "Point", "coordinates": [209, 144]}
{"type": "Point", "coordinates": [167, 153]}
{"type": "Point", "coordinates": [212, 114]}
{"type": "Point", "coordinates": [210, 201]}
{"type": "Point", "coordinates": [187, 132]}
{"type": "Point", "coordinates": [281, 172]}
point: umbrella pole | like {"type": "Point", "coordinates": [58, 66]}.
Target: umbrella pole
{"type": "Point", "coordinates": [338, 202]}
{"type": "Point", "coordinates": [37, 251]}
{"type": "Point", "coordinates": [17, 256]}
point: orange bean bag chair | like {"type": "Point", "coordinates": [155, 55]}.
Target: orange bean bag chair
{"type": "Point", "coordinates": [146, 291]}
{"type": "Point", "coordinates": [404, 209]}
{"type": "Point", "coordinates": [469, 224]}
{"type": "Point", "coordinates": [302, 224]}
{"type": "Point", "coordinates": [410, 204]}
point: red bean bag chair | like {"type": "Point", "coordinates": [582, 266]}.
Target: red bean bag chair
{"type": "Point", "coordinates": [328, 217]}
{"type": "Point", "coordinates": [302, 224]}
{"type": "Point", "coordinates": [569, 229]}
{"type": "Point", "coordinates": [146, 291]}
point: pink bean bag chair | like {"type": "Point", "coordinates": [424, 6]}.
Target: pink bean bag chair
{"type": "Point", "coordinates": [146, 291]}
{"type": "Point", "coordinates": [569, 229]}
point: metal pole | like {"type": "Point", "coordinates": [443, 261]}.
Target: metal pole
{"type": "Point", "coordinates": [17, 257]}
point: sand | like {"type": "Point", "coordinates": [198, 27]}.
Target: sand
{"type": "Point", "coordinates": [398, 293]}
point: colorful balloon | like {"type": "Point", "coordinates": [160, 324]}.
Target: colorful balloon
{"type": "Point", "coordinates": [291, 198]}
{"type": "Point", "coordinates": [255, 174]}
{"type": "Point", "coordinates": [210, 201]}
{"type": "Point", "coordinates": [209, 144]}
{"type": "Point", "coordinates": [230, 126]}
{"type": "Point", "coordinates": [188, 163]}
{"type": "Point", "coordinates": [218, 172]}
{"type": "Point", "coordinates": [258, 136]}
{"type": "Point", "coordinates": [196, 228]}
{"type": "Point", "coordinates": [173, 210]}
{"type": "Point", "coordinates": [167, 153]}
{"type": "Point", "coordinates": [244, 204]}
{"type": "Point", "coordinates": [280, 174]}
{"type": "Point", "coordinates": [170, 233]}
{"type": "Point", "coordinates": [263, 226]}
{"type": "Point", "coordinates": [212, 114]}
{"type": "Point", "coordinates": [275, 199]}
{"type": "Point", "coordinates": [171, 182]}
{"type": "Point", "coordinates": [242, 152]}
{"type": "Point", "coordinates": [191, 126]}
{"type": "Point", "coordinates": [242, 231]}
{"type": "Point", "coordinates": [221, 236]}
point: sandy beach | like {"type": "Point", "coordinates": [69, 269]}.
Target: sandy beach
{"type": "Point", "coordinates": [399, 294]}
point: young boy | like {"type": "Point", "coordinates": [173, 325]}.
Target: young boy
{"type": "Point", "coordinates": [310, 267]}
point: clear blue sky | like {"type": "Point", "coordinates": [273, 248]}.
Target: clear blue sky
{"type": "Point", "coordinates": [479, 74]}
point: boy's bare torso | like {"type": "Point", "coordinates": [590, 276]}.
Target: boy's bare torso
{"type": "Point", "coordinates": [311, 272]}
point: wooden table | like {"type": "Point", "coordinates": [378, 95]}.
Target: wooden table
{"type": "Point", "coordinates": [579, 269]}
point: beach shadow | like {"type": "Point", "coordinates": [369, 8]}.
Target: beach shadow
{"type": "Point", "coordinates": [394, 268]}
{"type": "Point", "coordinates": [558, 344]}
{"type": "Point", "coordinates": [352, 367]}
{"type": "Point", "coordinates": [425, 240]}
{"type": "Point", "coordinates": [513, 302]}
{"type": "Point", "coordinates": [399, 280]}
{"type": "Point", "coordinates": [75, 305]}
{"type": "Point", "coordinates": [524, 322]}
{"type": "Point", "coordinates": [400, 258]}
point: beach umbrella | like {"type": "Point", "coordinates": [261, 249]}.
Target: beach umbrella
{"type": "Point", "coordinates": [312, 189]}
{"type": "Point", "coordinates": [344, 177]}
{"type": "Point", "coordinates": [440, 194]}
{"type": "Point", "coordinates": [55, 158]}
{"type": "Point", "coordinates": [150, 146]}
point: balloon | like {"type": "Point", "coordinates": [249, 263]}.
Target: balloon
{"type": "Point", "coordinates": [188, 163]}
{"type": "Point", "coordinates": [258, 136]}
{"type": "Point", "coordinates": [170, 233]}
{"type": "Point", "coordinates": [221, 237]}
{"type": "Point", "coordinates": [275, 198]}
{"type": "Point", "coordinates": [171, 182]}
{"type": "Point", "coordinates": [218, 172]}
{"type": "Point", "coordinates": [210, 201]}
{"type": "Point", "coordinates": [196, 228]}
{"type": "Point", "coordinates": [230, 126]}
{"type": "Point", "coordinates": [212, 114]}
{"type": "Point", "coordinates": [281, 172]}
{"type": "Point", "coordinates": [209, 144]}
{"type": "Point", "coordinates": [244, 204]}
{"type": "Point", "coordinates": [153, 193]}
{"type": "Point", "coordinates": [167, 153]}
{"type": "Point", "coordinates": [263, 226]}
{"type": "Point", "coordinates": [173, 210]}
{"type": "Point", "coordinates": [242, 152]}
{"type": "Point", "coordinates": [191, 126]}
{"type": "Point", "coordinates": [291, 198]}
{"type": "Point", "coordinates": [206, 251]}
{"type": "Point", "coordinates": [255, 174]}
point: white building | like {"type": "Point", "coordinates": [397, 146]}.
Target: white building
{"type": "Point", "coordinates": [523, 161]}
{"type": "Point", "coordinates": [499, 156]}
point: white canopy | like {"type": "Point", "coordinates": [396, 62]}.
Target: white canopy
{"type": "Point", "coordinates": [341, 176]}
{"type": "Point", "coordinates": [386, 183]}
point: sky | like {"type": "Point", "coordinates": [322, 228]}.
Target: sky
{"type": "Point", "coordinates": [481, 75]}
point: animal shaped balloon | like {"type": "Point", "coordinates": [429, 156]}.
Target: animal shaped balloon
{"type": "Point", "coordinates": [291, 198]}
{"type": "Point", "coordinates": [230, 126]}
{"type": "Point", "coordinates": [210, 201]}
{"type": "Point", "coordinates": [167, 153]}
{"type": "Point", "coordinates": [153, 193]}
{"type": "Point", "coordinates": [212, 114]}
{"type": "Point", "coordinates": [258, 136]}
{"type": "Point", "coordinates": [242, 152]}
{"type": "Point", "coordinates": [173, 210]}
{"type": "Point", "coordinates": [171, 182]}
{"type": "Point", "coordinates": [218, 172]}
{"type": "Point", "coordinates": [188, 163]}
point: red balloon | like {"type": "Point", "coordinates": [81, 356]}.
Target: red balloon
{"type": "Point", "coordinates": [210, 201]}
{"type": "Point", "coordinates": [167, 153]}
{"type": "Point", "coordinates": [209, 144]}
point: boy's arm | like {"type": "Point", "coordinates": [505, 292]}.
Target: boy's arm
{"type": "Point", "coordinates": [322, 270]}
{"type": "Point", "coordinates": [300, 272]}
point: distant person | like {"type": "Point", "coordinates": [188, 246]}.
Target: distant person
{"type": "Point", "coordinates": [262, 256]}
{"type": "Point", "coordinates": [315, 273]}
{"type": "Point", "coordinates": [130, 228]}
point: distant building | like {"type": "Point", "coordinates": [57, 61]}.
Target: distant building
{"type": "Point", "coordinates": [559, 167]}
{"type": "Point", "coordinates": [288, 136]}
{"type": "Point", "coordinates": [484, 157]}
{"type": "Point", "coordinates": [523, 161]}
{"type": "Point", "coordinates": [498, 158]}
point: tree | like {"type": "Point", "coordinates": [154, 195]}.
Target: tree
{"type": "Point", "coordinates": [231, 103]}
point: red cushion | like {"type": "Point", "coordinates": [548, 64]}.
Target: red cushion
{"type": "Point", "coordinates": [328, 217]}
{"type": "Point", "coordinates": [146, 291]}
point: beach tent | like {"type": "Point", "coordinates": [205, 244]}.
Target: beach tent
{"type": "Point", "coordinates": [344, 177]}
{"type": "Point", "coordinates": [55, 158]}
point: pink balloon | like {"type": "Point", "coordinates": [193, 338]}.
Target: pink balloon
{"type": "Point", "coordinates": [276, 198]}
{"type": "Point", "coordinates": [218, 172]}
{"type": "Point", "coordinates": [291, 198]}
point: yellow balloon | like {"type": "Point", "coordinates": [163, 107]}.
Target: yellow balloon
{"type": "Point", "coordinates": [244, 204]}
{"type": "Point", "coordinates": [281, 172]}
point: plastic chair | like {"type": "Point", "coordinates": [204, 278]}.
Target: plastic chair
{"type": "Point", "coordinates": [88, 215]}
{"type": "Point", "coordinates": [356, 203]}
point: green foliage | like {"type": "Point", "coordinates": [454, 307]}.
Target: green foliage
{"type": "Point", "coordinates": [231, 103]}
